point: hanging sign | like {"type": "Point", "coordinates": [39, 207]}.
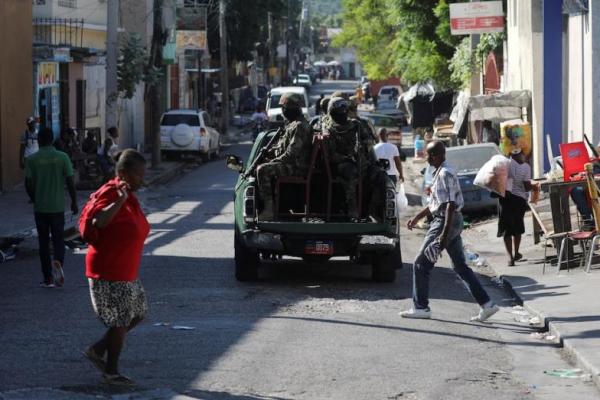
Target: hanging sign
{"type": "Point", "coordinates": [477, 17]}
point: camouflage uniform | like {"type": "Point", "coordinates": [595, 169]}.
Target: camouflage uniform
{"type": "Point", "coordinates": [374, 178]}
{"type": "Point", "coordinates": [343, 148]}
{"type": "Point", "coordinates": [289, 156]}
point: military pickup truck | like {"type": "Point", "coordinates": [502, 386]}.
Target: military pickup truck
{"type": "Point", "coordinates": [309, 219]}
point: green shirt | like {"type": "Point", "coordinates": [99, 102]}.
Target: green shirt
{"type": "Point", "coordinates": [47, 170]}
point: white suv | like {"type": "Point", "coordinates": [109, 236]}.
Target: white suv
{"type": "Point", "coordinates": [189, 131]}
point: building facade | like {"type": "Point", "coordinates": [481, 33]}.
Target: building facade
{"type": "Point", "coordinates": [15, 86]}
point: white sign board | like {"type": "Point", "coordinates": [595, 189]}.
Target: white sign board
{"type": "Point", "coordinates": [475, 18]}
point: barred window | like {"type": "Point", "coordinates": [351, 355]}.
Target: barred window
{"type": "Point", "coordinates": [68, 3]}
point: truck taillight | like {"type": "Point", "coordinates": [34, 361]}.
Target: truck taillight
{"type": "Point", "coordinates": [203, 132]}
{"type": "Point", "coordinates": [249, 204]}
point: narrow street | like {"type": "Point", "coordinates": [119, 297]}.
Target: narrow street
{"type": "Point", "coordinates": [301, 332]}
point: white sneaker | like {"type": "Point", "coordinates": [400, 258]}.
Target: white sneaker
{"type": "Point", "coordinates": [416, 313]}
{"type": "Point", "coordinates": [485, 313]}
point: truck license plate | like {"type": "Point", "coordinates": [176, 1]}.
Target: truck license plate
{"type": "Point", "coordinates": [320, 247]}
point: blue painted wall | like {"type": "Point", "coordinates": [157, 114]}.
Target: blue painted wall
{"type": "Point", "coordinates": [552, 71]}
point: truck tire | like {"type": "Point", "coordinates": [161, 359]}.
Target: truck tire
{"type": "Point", "coordinates": [246, 262]}
{"type": "Point", "coordinates": [384, 267]}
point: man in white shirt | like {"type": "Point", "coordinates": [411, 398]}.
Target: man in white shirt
{"type": "Point", "coordinates": [29, 142]}
{"type": "Point", "coordinates": [390, 152]}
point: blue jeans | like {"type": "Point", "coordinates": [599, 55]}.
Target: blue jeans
{"type": "Point", "coordinates": [422, 266]}
{"type": "Point", "coordinates": [578, 195]}
{"type": "Point", "coordinates": [50, 224]}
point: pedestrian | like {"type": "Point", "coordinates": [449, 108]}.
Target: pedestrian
{"type": "Point", "coordinates": [511, 221]}
{"type": "Point", "coordinates": [445, 203]}
{"type": "Point", "coordinates": [29, 141]}
{"type": "Point", "coordinates": [107, 152]}
{"type": "Point", "coordinates": [45, 174]}
{"type": "Point", "coordinates": [113, 263]}
{"type": "Point", "coordinates": [390, 152]}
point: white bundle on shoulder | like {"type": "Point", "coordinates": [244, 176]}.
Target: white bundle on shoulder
{"type": "Point", "coordinates": [493, 176]}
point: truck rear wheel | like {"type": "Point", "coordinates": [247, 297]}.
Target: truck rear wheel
{"type": "Point", "coordinates": [384, 267]}
{"type": "Point", "coordinates": [246, 262]}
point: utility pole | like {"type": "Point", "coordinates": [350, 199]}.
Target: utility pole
{"type": "Point", "coordinates": [224, 69]}
{"type": "Point", "coordinates": [152, 93]}
{"type": "Point", "coordinates": [287, 41]}
{"type": "Point", "coordinates": [112, 22]}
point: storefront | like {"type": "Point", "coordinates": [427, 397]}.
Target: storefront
{"type": "Point", "coordinates": [47, 95]}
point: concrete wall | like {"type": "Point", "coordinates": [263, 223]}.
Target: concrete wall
{"type": "Point", "coordinates": [92, 11]}
{"type": "Point", "coordinates": [75, 74]}
{"type": "Point", "coordinates": [524, 65]}
{"type": "Point", "coordinates": [16, 85]}
{"type": "Point", "coordinates": [583, 59]}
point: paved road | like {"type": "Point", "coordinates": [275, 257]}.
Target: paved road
{"type": "Point", "coordinates": [301, 332]}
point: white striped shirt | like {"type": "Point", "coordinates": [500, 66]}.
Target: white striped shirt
{"type": "Point", "coordinates": [517, 174]}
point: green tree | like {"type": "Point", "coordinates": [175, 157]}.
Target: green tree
{"type": "Point", "coordinates": [133, 58]}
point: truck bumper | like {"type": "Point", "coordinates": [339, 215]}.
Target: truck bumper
{"type": "Point", "coordinates": [274, 242]}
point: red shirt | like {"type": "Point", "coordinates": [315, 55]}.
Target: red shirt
{"type": "Point", "coordinates": [117, 253]}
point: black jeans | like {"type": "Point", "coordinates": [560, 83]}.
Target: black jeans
{"type": "Point", "coordinates": [50, 224]}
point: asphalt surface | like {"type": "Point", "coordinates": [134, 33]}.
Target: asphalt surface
{"type": "Point", "coordinates": [301, 332]}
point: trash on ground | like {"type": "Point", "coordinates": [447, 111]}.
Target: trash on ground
{"type": "Point", "coordinates": [9, 253]}
{"type": "Point", "coordinates": [162, 324]}
{"type": "Point", "coordinates": [574, 373]}
{"type": "Point", "coordinates": [535, 321]}
{"type": "Point", "coordinates": [543, 336]}
{"type": "Point", "coordinates": [182, 328]}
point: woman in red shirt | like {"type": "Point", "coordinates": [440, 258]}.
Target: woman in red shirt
{"type": "Point", "coordinates": [113, 263]}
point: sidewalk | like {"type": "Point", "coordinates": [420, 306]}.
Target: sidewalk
{"type": "Point", "coordinates": [566, 303]}
{"type": "Point", "coordinates": [17, 213]}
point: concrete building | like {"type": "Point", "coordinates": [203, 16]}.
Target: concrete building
{"type": "Point", "coordinates": [553, 50]}
{"type": "Point", "coordinates": [15, 86]}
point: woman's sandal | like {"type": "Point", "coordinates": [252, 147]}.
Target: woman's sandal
{"type": "Point", "coordinates": [118, 380]}
{"type": "Point", "coordinates": [95, 359]}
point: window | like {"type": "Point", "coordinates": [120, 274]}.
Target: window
{"type": "Point", "coordinates": [67, 3]}
{"type": "Point", "coordinates": [39, 2]}
{"type": "Point", "coordinates": [176, 119]}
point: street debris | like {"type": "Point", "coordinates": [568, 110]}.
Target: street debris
{"type": "Point", "coordinates": [574, 373]}
{"type": "Point", "coordinates": [546, 336]}
{"type": "Point", "coordinates": [9, 253]}
{"type": "Point", "coordinates": [162, 324]}
{"type": "Point", "coordinates": [182, 328]}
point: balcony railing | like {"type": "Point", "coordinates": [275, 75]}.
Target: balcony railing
{"type": "Point", "coordinates": [58, 31]}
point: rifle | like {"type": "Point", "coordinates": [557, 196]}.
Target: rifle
{"type": "Point", "coordinates": [262, 152]}
{"type": "Point", "coordinates": [591, 146]}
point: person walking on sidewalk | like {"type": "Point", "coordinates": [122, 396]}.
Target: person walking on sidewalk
{"type": "Point", "coordinates": [511, 221]}
{"type": "Point", "coordinates": [45, 174]}
{"type": "Point", "coordinates": [113, 263]}
{"type": "Point", "coordinates": [29, 141]}
{"type": "Point", "coordinates": [445, 203]}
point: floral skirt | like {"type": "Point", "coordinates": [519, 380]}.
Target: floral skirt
{"type": "Point", "coordinates": [117, 303]}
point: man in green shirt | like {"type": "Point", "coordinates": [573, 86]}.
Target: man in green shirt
{"type": "Point", "coordinates": [45, 174]}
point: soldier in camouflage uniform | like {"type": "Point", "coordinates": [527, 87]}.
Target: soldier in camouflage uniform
{"type": "Point", "coordinates": [373, 176]}
{"type": "Point", "coordinates": [290, 155]}
{"type": "Point", "coordinates": [343, 145]}
{"type": "Point", "coordinates": [317, 120]}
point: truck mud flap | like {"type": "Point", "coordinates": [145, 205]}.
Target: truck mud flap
{"type": "Point", "coordinates": [263, 241]}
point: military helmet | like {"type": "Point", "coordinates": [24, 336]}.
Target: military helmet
{"type": "Point", "coordinates": [291, 101]}
{"type": "Point", "coordinates": [338, 104]}
{"type": "Point", "coordinates": [339, 93]}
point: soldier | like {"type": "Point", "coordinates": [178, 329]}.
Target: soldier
{"type": "Point", "coordinates": [317, 120]}
{"type": "Point", "coordinates": [343, 149]}
{"type": "Point", "coordinates": [373, 176]}
{"type": "Point", "coordinates": [289, 156]}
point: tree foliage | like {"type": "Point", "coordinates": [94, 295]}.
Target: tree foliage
{"type": "Point", "coordinates": [408, 38]}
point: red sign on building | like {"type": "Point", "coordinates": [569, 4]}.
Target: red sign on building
{"type": "Point", "coordinates": [478, 17]}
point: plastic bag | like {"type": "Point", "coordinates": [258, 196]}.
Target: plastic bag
{"type": "Point", "coordinates": [493, 175]}
{"type": "Point", "coordinates": [401, 199]}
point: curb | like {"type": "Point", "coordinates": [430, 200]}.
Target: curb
{"type": "Point", "coordinates": [548, 323]}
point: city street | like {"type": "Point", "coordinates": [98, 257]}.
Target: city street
{"type": "Point", "coordinates": [301, 332]}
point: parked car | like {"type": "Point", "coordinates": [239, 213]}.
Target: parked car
{"type": "Point", "coordinates": [303, 80]}
{"type": "Point", "coordinates": [389, 92]}
{"type": "Point", "coordinates": [189, 131]}
{"type": "Point", "coordinates": [388, 107]}
{"type": "Point", "coordinates": [466, 161]}
{"type": "Point", "coordinates": [392, 124]}
{"type": "Point", "coordinates": [274, 109]}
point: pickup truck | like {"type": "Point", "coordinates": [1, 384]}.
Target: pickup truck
{"type": "Point", "coordinates": [309, 219]}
